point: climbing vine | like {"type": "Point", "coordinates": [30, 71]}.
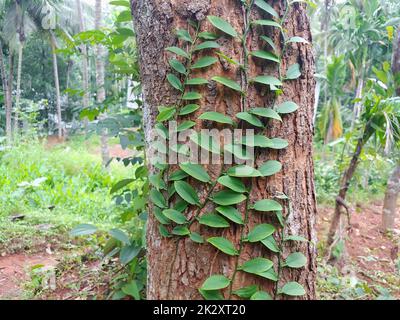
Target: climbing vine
{"type": "Point", "coordinates": [173, 197]}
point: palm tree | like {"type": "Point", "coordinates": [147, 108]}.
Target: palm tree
{"type": "Point", "coordinates": [85, 67]}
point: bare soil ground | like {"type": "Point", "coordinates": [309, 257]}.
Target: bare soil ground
{"type": "Point", "coordinates": [371, 253]}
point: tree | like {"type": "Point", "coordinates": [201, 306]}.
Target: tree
{"type": "Point", "coordinates": [6, 89]}
{"type": "Point", "coordinates": [177, 268]}
{"type": "Point", "coordinates": [85, 67]}
{"type": "Point", "coordinates": [101, 92]}
{"type": "Point", "coordinates": [393, 186]}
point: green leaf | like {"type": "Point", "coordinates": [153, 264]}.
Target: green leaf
{"type": "Point", "coordinates": [261, 295]}
{"type": "Point", "coordinates": [296, 260]}
{"type": "Point", "coordinates": [157, 182]}
{"type": "Point", "coordinates": [268, 23]}
{"type": "Point", "coordinates": [222, 25]}
{"type": "Point", "coordinates": [206, 141]}
{"type": "Point", "coordinates": [265, 55]}
{"type": "Point", "coordinates": [257, 265]}
{"type": "Point", "coordinates": [174, 81]}
{"type": "Point", "coordinates": [270, 275]}
{"type": "Point", "coordinates": [181, 231]}
{"type": "Point", "coordinates": [160, 216]}
{"type": "Point", "coordinates": [121, 184]}
{"type": "Point", "coordinates": [196, 82]}
{"type": "Point", "coordinates": [224, 245]}
{"type": "Point", "coordinates": [195, 237]}
{"type": "Point", "coordinates": [271, 244]}
{"type": "Point", "coordinates": [297, 40]}
{"type": "Point", "coordinates": [228, 83]}
{"type": "Point", "coordinates": [119, 235]}
{"type": "Point", "coordinates": [157, 198]}
{"type": "Point", "coordinates": [191, 96]}
{"type": "Point", "coordinates": [83, 230]}
{"type": "Point", "coordinates": [266, 7]}
{"type": "Point", "coordinates": [211, 295]}
{"type": "Point", "coordinates": [243, 171]}
{"type": "Point", "coordinates": [178, 175]}
{"type": "Point", "coordinates": [184, 35]}
{"type": "Point", "coordinates": [196, 171]}
{"type": "Point", "coordinates": [260, 232]}
{"type": "Point", "coordinates": [216, 116]}
{"type": "Point", "coordinates": [165, 113]}
{"type": "Point", "coordinates": [248, 117]}
{"type": "Point", "coordinates": [228, 59]}
{"type": "Point", "coordinates": [266, 113]}
{"type": "Point", "coordinates": [267, 80]}
{"type": "Point", "coordinates": [131, 289]}
{"type": "Point", "coordinates": [293, 289]}
{"type": "Point", "coordinates": [178, 51]}
{"type": "Point", "coordinates": [175, 216]}
{"type": "Point", "coordinates": [293, 72]}
{"type": "Point", "coordinates": [128, 253]}
{"type": "Point", "coordinates": [278, 144]}
{"type": "Point", "coordinates": [246, 292]}
{"type": "Point", "coordinates": [208, 35]}
{"type": "Point", "coordinates": [287, 107]}
{"type": "Point", "coordinates": [270, 168]}
{"type": "Point", "coordinates": [207, 45]}
{"type": "Point", "coordinates": [122, 3]}
{"type": "Point", "coordinates": [232, 183]}
{"type": "Point", "coordinates": [213, 220]}
{"type": "Point", "coordinates": [270, 42]}
{"type": "Point", "coordinates": [237, 151]}
{"type": "Point", "coordinates": [295, 238]}
{"type": "Point", "coordinates": [185, 126]}
{"type": "Point", "coordinates": [267, 205]}
{"type": "Point", "coordinates": [186, 192]}
{"type": "Point", "coordinates": [256, 141]}
{"type": "Point", "coordinates": [228, 197]}
{"type": "Point", "coordinates": [164, 231]}
{"type": "Point", "coordinates": [177, 66]}
{"type": "Point", "coordinates": [215, 282]}
{"type": "Point", "coordinates": [231, 213]}
{"type": "Point", "coordinates": [204, 62]}
{"type": "Point", "coordinates": [188, 109]}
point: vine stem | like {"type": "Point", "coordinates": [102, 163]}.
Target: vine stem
{"type": "Point", "coordinates": [245, 85]}
{"type": "Point", "coordinates": [186, 77]}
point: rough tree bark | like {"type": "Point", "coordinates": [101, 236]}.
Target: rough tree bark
{"type": "Point", "coordinates": [390, 203]}
{"type": "Point", "coordinates": [393, 186]}
{"type": "Point", "coordinates": [85, 65]}
{"type": "Point", "coordinates": [101, 92]}
{"type": "Point", "coordinates": [57, 84]}
{"type": "Point", "coordinates": [6, 90]}
{"type": "Point", "coordinates": [176, 269]}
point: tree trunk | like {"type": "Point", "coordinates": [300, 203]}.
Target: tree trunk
{"type": "Point", "coordinates": [390, 203]}
{"type": "Point", "coordinates": [337, 224]}
{"type": "Point", "coordinates": [18, 95]}
{"type": "Point", "coordinates": [57, 84]}
{"type": "Point", "coordinates": [176, 269]}
{"type": "Point", "coordinates": [6, 84]}
{"type": "Point", "coordinates": [85, 67]}
{"type": "Point", "coordinates": [101, 92]}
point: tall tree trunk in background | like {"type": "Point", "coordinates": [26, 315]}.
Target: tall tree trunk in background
{"type": "Point", "coordinates": [18, 95]}
{"type": "Point", "coordinates": [57, 84]}
{"type": "Point", "coordinates": [101, 92]}
{"type": "Point", "coordinates": [390, 203]}
{"type": "Point", "coordinates": [11, 62]}
{"type": "Point", "coordinates": [337, 227]}
{"type": "Point", "coordinates": [176, 269]}
{"type": "Point", "coordinates": [393, 186]}
{"type": "Point", "coordinates": [7, 103]}
{"type": "Point", "coordinates": [85, 67]}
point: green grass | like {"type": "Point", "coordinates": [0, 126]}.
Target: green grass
{"type": "Point", "coordinates": [55, 189]}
